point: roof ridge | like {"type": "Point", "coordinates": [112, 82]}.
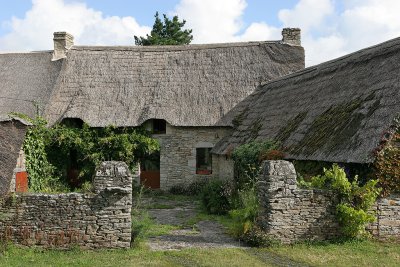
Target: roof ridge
{"type": "Point", "coordinates": [359, 55]}
{"type": "Point", "coordinates": [172, 47]}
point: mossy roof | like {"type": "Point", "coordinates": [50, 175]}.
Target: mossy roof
{"type": "Point", "coordinates": [337, 111]}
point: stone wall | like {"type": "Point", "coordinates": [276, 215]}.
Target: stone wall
{"type": "Point", "coordinates": [12, 134]}
{"type": "Point", "coordinates": [178, 153]}
{"type": "Point", "coordinates": [387, 224]}
{"type": "Point", "coordinates": [290, 214]}
{"type": "Point", "coordinates": [224, 167]}
{"type": "Point", "coordinates": [98, 220]}
{"type": "Point", "coordinates": [291, 36]}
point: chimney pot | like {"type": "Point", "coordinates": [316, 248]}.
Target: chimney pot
{"type": "Point", "coordinates": [63, 41]}
{"type": "Point", "coordinates": [291, 36]}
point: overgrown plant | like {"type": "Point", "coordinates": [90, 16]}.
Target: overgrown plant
{"type": "Point", "coordinates": [387, 162]}
{"type": "Point", "coordinates": [355, 201]}
{"type": "Point", "coordinates": [53, 153]}
{"type": "Point", "coordinates": [216, 197]}
{"type": "Point", "coordinates": [41, 171]}
{"type": "Point", "coordinates": [247, 159]}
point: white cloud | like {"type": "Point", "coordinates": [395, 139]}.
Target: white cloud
{"type": "Point", "coordinates": [307, 14]}
{"type": "Point", "coordinates": [328, 33]}
{"type": "Point", "coordinates": [212, 20]}
{"type": "Point", "coordinates": [260, 31]}
{"type": "Point", "coordinates": [89, 27]}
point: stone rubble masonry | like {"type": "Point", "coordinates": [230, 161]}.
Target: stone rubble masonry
{"type": "Point", "coordinates": [178, 153]}
{"type": "Point", "coordinates": [387, 224]}
{"type": "Point", "coordinates": [98, 220]}
{"type": "Point", "coordinates": [290, 214]}
{"type": "Point", "coordinates": [291, 36]}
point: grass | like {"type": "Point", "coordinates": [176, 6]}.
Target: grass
{"type": "Point", "coordinates": [145, 227]}
{"type": "Point", "coordinates": [361, 253]}
{"type": "Point", "coordinates": [350, 253]}
{"type": "Point", "coordinates": [132, 257]}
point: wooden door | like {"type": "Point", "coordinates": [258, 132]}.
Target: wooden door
{"type": "Point", "coordinates": [150, 171]}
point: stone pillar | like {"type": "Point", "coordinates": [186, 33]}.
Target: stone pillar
{"type": "Point", "coordinates": [291, 36]}
{"type": "Point", "coordinates": [290, 214]}
{"type": "Point", "coordinates": [63, 41]}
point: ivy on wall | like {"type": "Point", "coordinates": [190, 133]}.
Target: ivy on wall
{"type": "Point", "coordinates": [387, 163]}
{"type": "Point", "coordinates": [52, 154]}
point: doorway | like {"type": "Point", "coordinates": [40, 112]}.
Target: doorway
{"type": "Point", "coordinates": [150, 171]}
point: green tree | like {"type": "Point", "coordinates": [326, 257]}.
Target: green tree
{"type": "Point", "coordinates": [169, 32]}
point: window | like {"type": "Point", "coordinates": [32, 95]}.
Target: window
{"type": "Point", "coordinates": [203, 161]}
{"type": "Point", "coordinates": [159, 126]}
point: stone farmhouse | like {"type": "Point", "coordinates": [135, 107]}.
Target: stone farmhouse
{"type": "Point", "coordinates": [179, 93]}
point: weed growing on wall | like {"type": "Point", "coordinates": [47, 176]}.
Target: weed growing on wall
{"type": "Point", "coordinates": [355, 201]}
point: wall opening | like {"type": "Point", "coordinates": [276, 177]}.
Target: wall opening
{"type": "Point", "coordinates": [203, 160]}
{"type": "Point", "coordinates": [150, 171]}
{"type": "Point", "coordinates": [159, 126]}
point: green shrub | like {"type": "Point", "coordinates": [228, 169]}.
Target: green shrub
{"type": "Point", "coordinates": [51, 152]}
{"type": "Point", "coordinates": [355, 201]}
{"type": "Point", "coordinates": [247, 159]}
{"type": "Point", "coordinates": [246, 213]}
{"type": "Point", "coordinates": [216, 197]}
{"type": "Point", "coordinates": [193, 189]}
{"type": "Point", "coordinates": [256, 237]}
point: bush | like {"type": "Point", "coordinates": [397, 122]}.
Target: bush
{"type": "Point", "coordinates": [387, 162]}
{"type": "Point", "coordinates": [193, 189]}
{"type": "Point", "coordinates": [216, 197]}
{"type": "Point", "coordinates": [246, 213]}
{"type": "Point", "coordinates": [355, 201]}
{"type": "Point", "coordinates": [256, 237]}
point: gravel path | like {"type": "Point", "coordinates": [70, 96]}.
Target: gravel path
{"type": "Point", "coordinates": [204, 234]}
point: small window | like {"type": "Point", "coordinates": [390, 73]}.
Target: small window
{"type": "Point", "coordinates": [159, 126]}
{"type": "Point", "coordinates": [203, 161]}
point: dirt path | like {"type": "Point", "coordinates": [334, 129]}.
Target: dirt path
{"type": "Point", "coordinates": [203, 234]}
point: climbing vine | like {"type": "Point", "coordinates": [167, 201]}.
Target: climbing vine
{"type": "Point", "coordinates": [52, 154]}
{"type": "Point", "coordinates": [387, 163]}
{"type": "Point", "coordinates": [355, 201]}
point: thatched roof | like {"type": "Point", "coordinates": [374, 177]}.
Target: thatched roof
{"type": "Point", "coordinates": [26, 78]}
{"type": "Point", "coordinates": [337, 111]}
{"type": "Point", "coordinates": [193, 85]}
{"type": "Point", "coordinates": [12, 134]}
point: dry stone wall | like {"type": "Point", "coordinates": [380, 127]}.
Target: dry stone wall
{"type": "Point", "coordinates": [290, 214]}
{"type": "Point", "coordinates": [387, 224]}
{"type": "Point", "coordinates": [98, 220]}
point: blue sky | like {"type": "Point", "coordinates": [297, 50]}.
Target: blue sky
{"type": "Point", "coordinates": [330, 28]}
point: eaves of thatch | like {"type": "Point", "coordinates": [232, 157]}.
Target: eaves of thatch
{"type": "Point", "coordinates": [192, 85]}
{"type": "Point", "coordinates": [337, 111]}
{"type": "Point", "coordinates": [26, 82]}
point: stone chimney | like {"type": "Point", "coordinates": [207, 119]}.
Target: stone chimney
{"type": "Point", "coordinates": [291, 36]}
{"type": "Point", "coordinates": [62, 43]}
